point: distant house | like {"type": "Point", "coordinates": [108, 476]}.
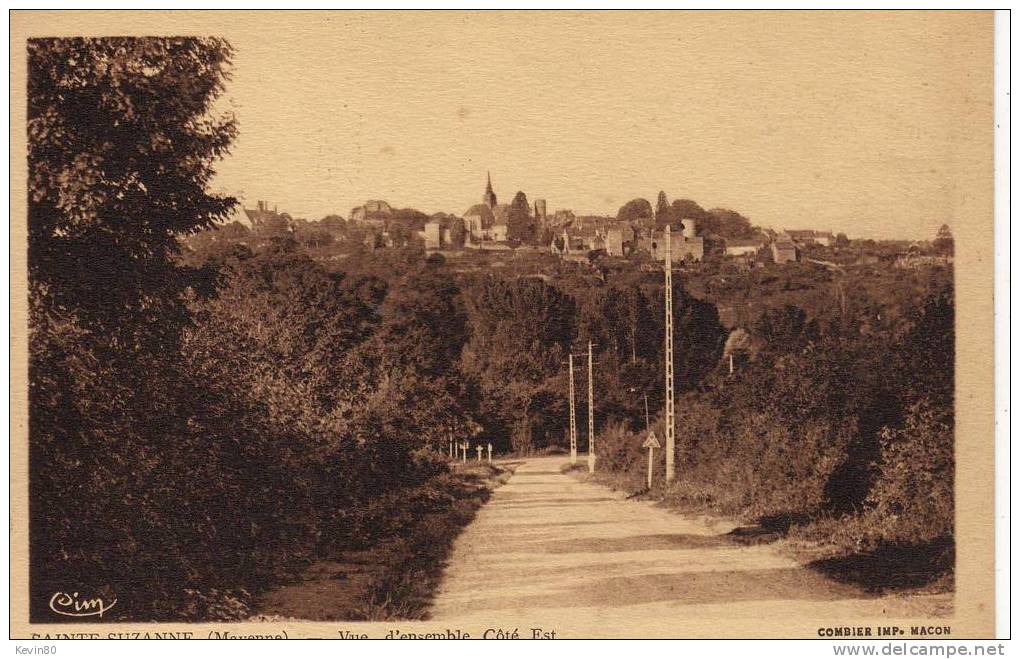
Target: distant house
{"type": "Point", "coordinates": [562, 217]}
{"type": "Point", "coordinates": [591, 233]}
{"type": "Point", "coordinates": [744, 247]}
{"type": "Point", "coordinates": [811, 237]}
{"type": "Point", "coordinates": [914, 261]}
{"type": "Point", "coordinates": [478, 220]}
{"type": "Point", "coordinates": [432, 234]}
{"type": "Point", "coordinates": [541, 215]}
{"type": "Point", "coordinates": [784, 249]}
{"type": "Point", "coordinates": [501, 215]}
{"type": "Point", "coordinates": [443, 231]}
{"type": "Point", "coordinates": [374, 212]}
{"type": "Point", "coordinates": [614, 241]}
{"type": "Point", "coordinates": [268, 222]}
{"type": "Point", "coordinates": [685, 245]}
{"type": "Point", "coordinates": [577, 240]}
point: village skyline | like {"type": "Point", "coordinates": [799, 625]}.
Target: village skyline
{"type": "Point", "coordinates": [245, 205]}
{"type": "Point", "coordinates": [853, 130]}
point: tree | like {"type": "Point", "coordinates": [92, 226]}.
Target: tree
{"type": "Point", "coordinates": [785, 330]}
{"type": "Point", "coordinates": [686, 208]}
{"type": "Point", "coordinates": [520, 334]}
{"type": "Point", "coordinates": [841, 240]}
{"type": "Point", "coordinates": [410, 218]}
{"type": "Point", "coordinates": [121, 148]}
{"type": "Point", "coordinates": [727, 224]}
{"type": "Point", "coordinates": [663, 211]}
{"type": "Point", "coordinates": [634, 210]}
{"type": "Point", "coordinates": [520, 224]}
{"type": "Point", "coordinates": [334, 224]}
{"type": "Point", "coordinates": [943, 244]}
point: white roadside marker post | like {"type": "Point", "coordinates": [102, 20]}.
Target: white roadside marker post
{"type": "Point", "coordinates": [591, 415]}
{"type": "Point", "coordinates": [464, 448]}
{"type": "Point", "coordinates": [573, 415]}
{"type": "Point", "coordinates": [670, 432]}
{"type": "Point", "coordinates": [479, 450]}
{"type": "Point", "coordinates": [651, 444]}
{"type": "Point", "coordinates": [490, 452]}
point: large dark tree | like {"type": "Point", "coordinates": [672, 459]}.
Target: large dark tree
{"type": "Point", "coordinates": [121, 147]}
{"type": "Point", "coordinates": [635, 209]}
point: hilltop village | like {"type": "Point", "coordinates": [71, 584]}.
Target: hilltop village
{"type": "Point", "coordinates": [521, 228]}
{"type": "Point", "coordinates": [495, 226]}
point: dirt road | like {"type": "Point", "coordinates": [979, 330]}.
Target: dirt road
{"type": "Point", "coordinates": [551, 552]}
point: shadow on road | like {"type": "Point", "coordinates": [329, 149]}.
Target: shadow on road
{"type": "Point", "coordinates": [892, 568]}
{"type": "Point", "coordinates": [685, 588]}
{"type": "Point", "coordinates": [651, 542]}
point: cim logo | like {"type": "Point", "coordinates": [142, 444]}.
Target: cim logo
{"type": "Point", "coordinates": [71, 605]}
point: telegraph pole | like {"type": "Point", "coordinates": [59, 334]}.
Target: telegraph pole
{"type": "Point", "coordinates": [591, 415]}
{"type": "Point", "coordinates": [670, 438]}
{"type": "Point", "coordinates": [573, 417]}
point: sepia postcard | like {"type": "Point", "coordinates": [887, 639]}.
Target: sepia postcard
{"type": "Point", "coordinates": [502, 325]}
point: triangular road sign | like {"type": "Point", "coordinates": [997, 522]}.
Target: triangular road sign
{"type": "Point", "coordinates": [652, 441]}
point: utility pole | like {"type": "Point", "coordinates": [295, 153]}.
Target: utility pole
{"type": "Point", "coordinates": [591, 414]}
{"type": "Point", "coordinates": [670, 438]}
{"type": "Point", "coordinates": [573, 415]}
{"type": "Point", "coordinates": [648, 422]}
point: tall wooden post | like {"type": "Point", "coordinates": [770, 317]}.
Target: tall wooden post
{"type": "Point", "coordinates": [573, 415]}
{"type": "Point", "coordinates": [670, 438]}
{"type": "Point", "coordinates": [591, 413]}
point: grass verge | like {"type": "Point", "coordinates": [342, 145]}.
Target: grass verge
{"type": "Point", "coordinates": [396, 577]}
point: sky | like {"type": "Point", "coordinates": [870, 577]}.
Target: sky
{"type": "Point", "coordinates": [873, 124]}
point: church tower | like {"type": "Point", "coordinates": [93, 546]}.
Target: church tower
{"type": "Point", "coordinates": [490, 197]}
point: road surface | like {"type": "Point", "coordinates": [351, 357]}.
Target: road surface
{"type": "Point", "coordinates": [553, 552]}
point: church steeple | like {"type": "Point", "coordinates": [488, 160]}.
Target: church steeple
{"type": "Point", "coordinates": [490, 197]}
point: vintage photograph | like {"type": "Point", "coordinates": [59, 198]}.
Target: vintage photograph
{"type": "Point", "coordinates": [514, 324]}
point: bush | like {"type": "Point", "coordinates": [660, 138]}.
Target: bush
{"type": "Point", "coordinates": [849, 432]}
{"type": "Point", "coordinates": [913, 497]}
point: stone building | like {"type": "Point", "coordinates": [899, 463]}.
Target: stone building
{"type": "Point", "coordinates": [432, 234]}
{"type": "Point", "coordinates": [443, 231]}
{"type": "Point", "coordinates": [268, 222]}
{"type": "Point", "coordinates": [373, 211]}
{"type": "Point", "coordinates": [487, 221]}
{"type": "Point", "coordinates": [784, 249]}
{"type": "Point", "coordinates": [478, 219]}
{"type": "Point", "coordinates": [562, 217]}
{"type": "Point", "coordinates": [744, 247]}
{"type": "Point", "coordinates": [540, 213]}
{"type": "Point", "coordinates": [682, 247]}
{"type": "Point", "coordinates": [501, 214]}
{"type": "Point", "coordinates": [811, 237]}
